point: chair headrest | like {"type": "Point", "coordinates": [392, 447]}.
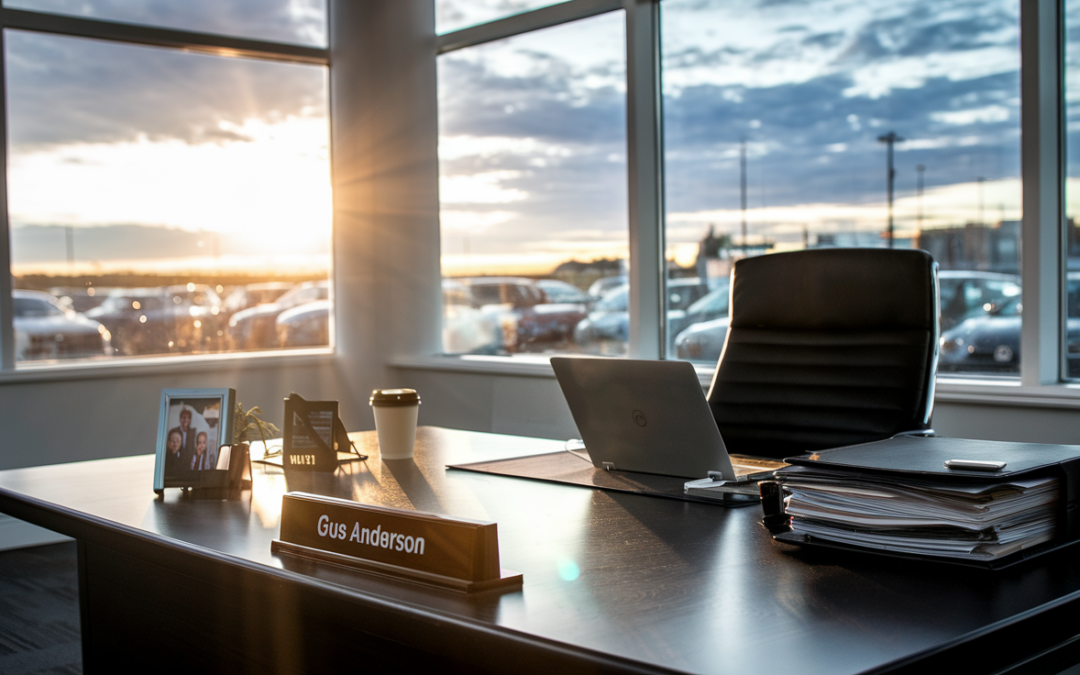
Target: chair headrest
{"type": "Point", "coordinates": [835, 289]}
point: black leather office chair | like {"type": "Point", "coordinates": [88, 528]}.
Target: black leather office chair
{"type": "Point", "coordinates": [827, 347]}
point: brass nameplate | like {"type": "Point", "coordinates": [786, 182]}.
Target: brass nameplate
{"type": "Point", "coordinates": [420, 547]}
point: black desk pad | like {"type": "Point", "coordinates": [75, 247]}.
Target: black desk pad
{"type": "Point", "coordinates": [570, 468]}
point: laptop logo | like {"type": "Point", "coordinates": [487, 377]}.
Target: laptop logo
{"type": "Point", "coordinates": [639, 418]}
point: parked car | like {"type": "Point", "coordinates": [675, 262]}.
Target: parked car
{"type": "Point", "coordinates": [560, 291]}
{"type": "Point", "coordinates": [608, 325]}
{"type": "Point", "coordinates": [200, 304]}
{"type": "Point", "coordinates": [256, 327]}
{"type": "Point", "coordinates": [602, 287]}
{"type": "Point", "coordinates": [963, 294]}
{"type": "Point", "coordinates": [712, 305]}
{"type": "Point", "coordinates": [528, 321]}
{"type": "Point", "coordinates": [607, 328]}
{"type": "Point", "coordinates": [967, 293]}
{"type": "Point", "coordinates": [306, 325]}
{"type": "Point", "coordinates": [703, 341]}
{"type": "Point", "coordinates": [989, 341]}
{"type": "Point", "coordinates": [79, 299]}
{"type": "Point", "coordinates": [44, 330]}
{"type": "Point", "coordinates": [146, 321]}
{"type": "Point", "coordinates": [466, 329]}
{"type": "Point", "coordinates": [251, 295]}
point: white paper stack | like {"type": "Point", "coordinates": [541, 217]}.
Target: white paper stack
{"type": "Point", "coordinates": [980, 521]}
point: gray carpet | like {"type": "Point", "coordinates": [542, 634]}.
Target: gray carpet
{"type": "Point", "coordinates": [39, 611]}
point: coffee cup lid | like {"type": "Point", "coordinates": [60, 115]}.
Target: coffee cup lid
{"type": "Point", "coordinates": [394, 397]}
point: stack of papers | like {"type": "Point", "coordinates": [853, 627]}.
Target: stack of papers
{"type": "Point", "coordinates": [980, 521]}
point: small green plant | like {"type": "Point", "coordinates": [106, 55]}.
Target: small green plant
{"type": "Point", "coordinates": [250, 426]}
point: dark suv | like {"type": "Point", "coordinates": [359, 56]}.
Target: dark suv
{"type": "Point", "coordinates": [527, 319]}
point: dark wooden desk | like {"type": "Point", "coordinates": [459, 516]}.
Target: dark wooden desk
{"type": "Point", "coordinates": [613, 583]}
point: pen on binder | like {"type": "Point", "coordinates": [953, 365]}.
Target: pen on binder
{"type": "Point", "coordinates": [974, 465]}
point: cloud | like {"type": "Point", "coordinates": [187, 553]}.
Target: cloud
{"type": "Point", "coordinates": [296, 21]}
{"type": "Point", "coordinates": [36, 244]}
{"type": "Point", "coordinates": [794, 157]}
{"type": "Point", "coordinates": [68, 90]}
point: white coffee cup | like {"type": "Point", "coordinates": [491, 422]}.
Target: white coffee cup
{"type": "Point", "coordinates": [395, 421]}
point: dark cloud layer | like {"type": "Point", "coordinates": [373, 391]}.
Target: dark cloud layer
{"type": "Point", "coordinates": [63, 90]}
{"type": "Point", "coordinates": [295, 21]}
{"type": "Point", "coordinates": [48, 243]}
{"type": "Point", "coordinates": [811, 141]}
{"type": "Point", "coordinates": [799, 123]}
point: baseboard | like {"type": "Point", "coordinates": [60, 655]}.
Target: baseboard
{"type": "Point", "coordinates": [15, 533]}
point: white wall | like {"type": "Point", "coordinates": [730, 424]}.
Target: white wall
{"type": "Point", "coordinates": [534, 406]}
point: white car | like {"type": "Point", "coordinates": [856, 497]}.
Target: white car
{"type": "Point", "coordinates": [45, 330]}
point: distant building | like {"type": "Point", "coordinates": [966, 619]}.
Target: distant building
{"type": "Point", "coordinates": [991, 247]}
{"type": "Point", "coordinates": [857, 239]}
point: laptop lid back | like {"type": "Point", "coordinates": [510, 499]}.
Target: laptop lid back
{"type": "Point", "coordinates": [646, 416]}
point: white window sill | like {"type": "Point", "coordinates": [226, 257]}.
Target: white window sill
{"type": "Point", "coordinates": [160, 365]}
{"type": "Point", "coordinates": [950, 389]}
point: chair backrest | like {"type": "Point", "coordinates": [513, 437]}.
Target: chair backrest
{"type": "Point", "coordinates": [827, 347]}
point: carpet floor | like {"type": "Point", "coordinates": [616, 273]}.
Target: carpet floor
{"type": "Point", "coordinates": [39, 611]}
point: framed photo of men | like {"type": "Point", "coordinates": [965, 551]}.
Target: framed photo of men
{"type": "Point", "coordinates": [193, 424]}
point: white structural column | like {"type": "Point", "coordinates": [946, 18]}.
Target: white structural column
{"type": "Point", "coordinates": [1041, 169]}
{"type": "Point", "coordinates": [384, 159]}
{"type": "Point", "coordinates": [644, 140]}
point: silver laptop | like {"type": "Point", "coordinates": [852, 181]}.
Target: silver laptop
{"type": "Point", "coordinates": [650, 417]}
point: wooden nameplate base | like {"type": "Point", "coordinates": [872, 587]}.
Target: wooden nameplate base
{"type": "Point", "coordinates": [423, 548]}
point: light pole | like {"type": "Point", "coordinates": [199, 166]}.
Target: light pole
{"type": "Point", "coordinates": [889, 140]}
{"type": "Point", "coordinates": [982, 202]}
{"type": "Point", "coordinates": [920, 169]}
{"type": "Point", "coordinates": [742, 188]}
{"type": "Point", "coordinates": [69, 236]}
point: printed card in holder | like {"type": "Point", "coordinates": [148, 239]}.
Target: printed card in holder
{"type": "Point", "coordinates": [313, 435]}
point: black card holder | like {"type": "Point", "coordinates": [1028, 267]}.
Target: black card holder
{"type": "Point", "coordinates": [313, 436]}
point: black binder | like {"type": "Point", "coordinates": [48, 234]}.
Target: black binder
{"type": "Point", "coordinates": [925, 457]}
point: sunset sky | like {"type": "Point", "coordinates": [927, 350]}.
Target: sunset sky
{"type": "Point", "coordinates": [161, 159]}
{"type": "Point", "coordinates": [533, 143]}
{"type": "Point", "coordinates": [148, 152]}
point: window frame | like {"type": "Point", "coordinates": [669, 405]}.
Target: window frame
{"type": "Point", "coordinates": [1042, 155]}
{"type": "Point", "coordinates": [124, 33]}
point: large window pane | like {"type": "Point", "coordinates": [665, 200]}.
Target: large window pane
{"type": "Point", "coordinates": [163, 202]}
{"type": "Point", "coordinates": [532, 157]}
{"type": "Point", "coordinates": [451, 15]}
{"type": "Point", "coordinates": [778, 127]}
{"type": "Point", "coordinates": [292, 21]}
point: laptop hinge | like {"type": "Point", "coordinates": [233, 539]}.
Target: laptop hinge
{"type": "Point", "coordinates": [608, 466]}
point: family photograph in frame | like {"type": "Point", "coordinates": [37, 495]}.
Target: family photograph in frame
{"type": "Point", "coordinates": [193, 424]}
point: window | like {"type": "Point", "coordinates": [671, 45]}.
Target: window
{"type": "Point", "coordinates": [781, 130]}
{"type": "Point", "coordinates": [839, 124]}
{"type": "Point", "coordinates": [164, 201]}
{"type": "Point", "coordinates": [533, 188]}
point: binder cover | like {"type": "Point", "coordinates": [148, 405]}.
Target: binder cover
{"type": "Point", "coordinates": [925, 457]}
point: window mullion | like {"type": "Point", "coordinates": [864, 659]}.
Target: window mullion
{"type": "Point", "coordinates": [645, 173]}
{"type": "Point", "coordinates": [7, 304]}
{"type": "Point", "coordinates": [1041, 157]}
